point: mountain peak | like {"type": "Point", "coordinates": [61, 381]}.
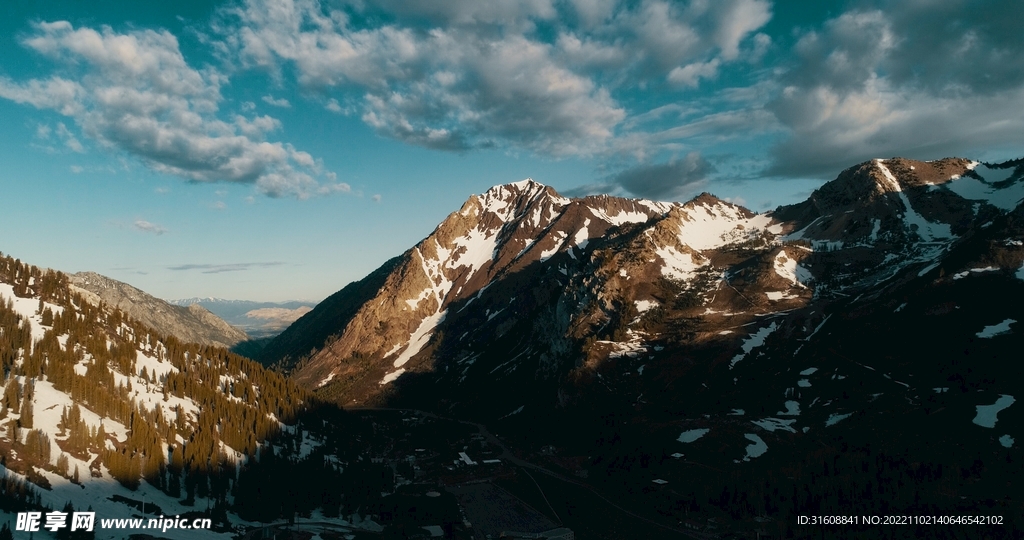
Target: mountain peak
{"type": "Point", "coordinates": [525, 184]}
{"type": "Point", "coordinates": [527, 187]}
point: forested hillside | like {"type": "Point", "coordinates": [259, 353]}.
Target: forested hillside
{"type": "Point", "coordinates": [89, 393]}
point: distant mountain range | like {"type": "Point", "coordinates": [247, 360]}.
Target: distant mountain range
{"type": "Point", "coordinates": [191, 323]}
{"type": "Point", "coordinates": [258, 319]}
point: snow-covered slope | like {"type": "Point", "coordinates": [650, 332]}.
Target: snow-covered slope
{"type": "Point", "coordinates": [102, 411]}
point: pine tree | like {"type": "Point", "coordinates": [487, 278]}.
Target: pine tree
{"type": "Point", "coordinates": [63, 425]}
{"type": "Point", "coordinates": [27, 415]}
{"type": "Point", "coordinates": [12, 430]}
{"type": "Point", "coordinates": [82, 534]}
{"type": "Point", "coordinates": [12, 394]}
{"type": "Point", "coordinates": [65, 533]}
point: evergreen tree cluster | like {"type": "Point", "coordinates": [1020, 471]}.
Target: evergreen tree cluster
{"type": "Point", "coordinates": [79, 534]}
{"type": "Point", "coordinates": [16, 494]}
{"type": "Point", "coordinates": [91, 353]}
{"type": "Point", "coordinates": [31, 281]}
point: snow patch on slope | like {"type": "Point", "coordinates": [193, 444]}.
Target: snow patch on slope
{"type": "Point", "coordinates": [986, 414]}
{"type": "Point", "coordinates": [756, 449]}
{"type": "Point", "coordinates": [582, 237]}
{"type": "Point", "coordinates": [755, 340]}
{"type": "Point", "coordinates": [773, 424]}
{"type": "Point", "coordinates": [928, 231]}
{"type": "Point", "coordinates": [677, 265]}
{"type": "Point", "coordinates": [390, 377]}
{"type": "Point", "coordinates": [473, 250]}
{"type": "Point", "coordinates": [973, 189]}
{"type": "Point", "coordinates": [787, 268]}
{"type": "Point", "coordinates": [709, 227]}
{"type": "Point", "coordinates": [420, 337]}
{"type": "Point", "coordinates": [692, 435]}
{"type": "Point", "coordinates": [996, 329]}
{"type": "Point", "coordinates": [835, 418]}
{"type": "Point", "coordinates": [622, 218]}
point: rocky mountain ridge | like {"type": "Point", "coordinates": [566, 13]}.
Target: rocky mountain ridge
{"type": "Point", "coordinates": [873, 327]}
{"type": "Point", "coordinates": [522, 285]}
{"type": "Point", "coordinates": [190, 324]}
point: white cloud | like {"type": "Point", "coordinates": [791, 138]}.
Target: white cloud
{"type": "Point", "coordinates": [691, 74]}
{"type": "Point", "coordinates": [444, 88]}
{"type": "Point", "coordinates": [208, 268]}
{"type": "Point", "coordinates": [737, 20]}
{"type": "Point", "coordinates": [60, 134]}
{"type": "Point", "coordinates": [282, 102]}
{"type": "Point", "coordinates": [145, 226]}
{"type": "Point", "coordinates": [676, 179]}
{"type": "Point", "coordinates": [593, 12]}
{"type": "Point", "coordinates": [55, 93]}
{"type": "Point", "coordinates": [136, 93]}
{"type": "Point", "coordinates": [70, 141]}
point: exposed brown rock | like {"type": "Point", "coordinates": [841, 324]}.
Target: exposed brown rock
{"type": "Point", "coordinates": [192, 324]}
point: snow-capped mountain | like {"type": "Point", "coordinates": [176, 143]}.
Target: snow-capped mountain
{"type": "Point", "coordinates": [887, 303]}
{"type": "Point", "coordinates": [510, 231]}
{"type": "Point", "coordinates": [559, 270]}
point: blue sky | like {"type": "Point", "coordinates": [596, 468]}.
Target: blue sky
{"type": "Point", "coordinates": [278, 149]}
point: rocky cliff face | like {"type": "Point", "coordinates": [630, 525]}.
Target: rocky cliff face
{"type": "Point", "coordinates": [191, 324]}
{"type": "Point", "coordinates": [499, 234]}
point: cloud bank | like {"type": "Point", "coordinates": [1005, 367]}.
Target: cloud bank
{"type": "Point", "coordinates": [906, 78]}
{"type": "Point", "coordinates": [632, 84]}
{"type": "Point", "coordinates": [134, 92]}
{"type": "Point", "coordinates": [461, 75]}
{"type": "Point", "coordinates": [220, 268]}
